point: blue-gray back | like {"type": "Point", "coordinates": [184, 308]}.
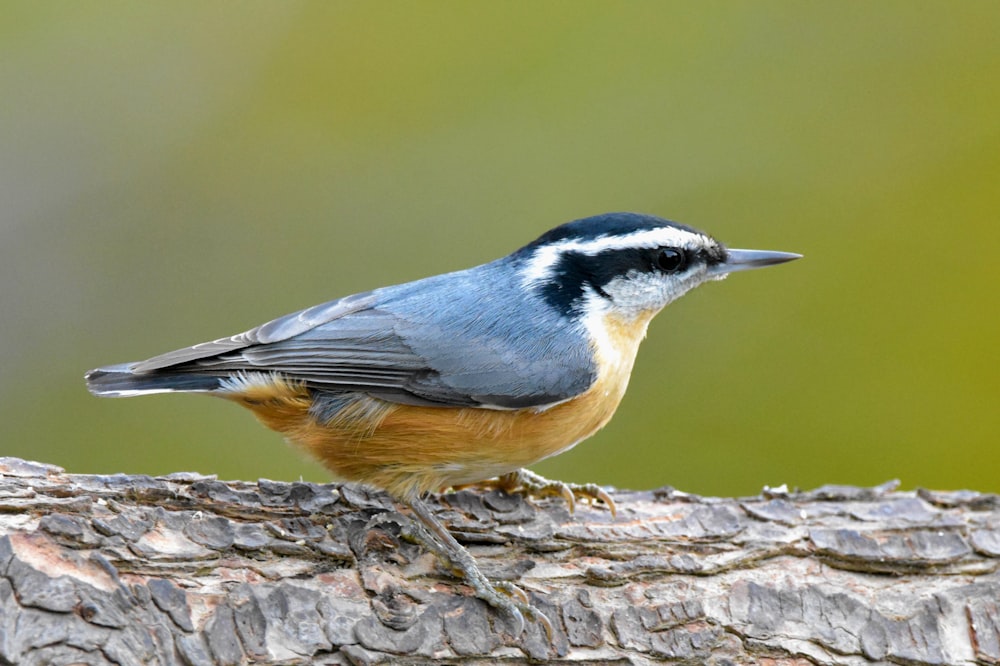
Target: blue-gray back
{"type": "Point", "coordinates": [470, 338]}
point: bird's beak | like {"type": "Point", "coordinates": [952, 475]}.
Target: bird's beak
{"type": "Point", "coordinates": [744, 260]}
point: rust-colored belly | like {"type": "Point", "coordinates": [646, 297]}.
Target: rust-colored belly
{"type": "Point", "coordinates": [408, 449]}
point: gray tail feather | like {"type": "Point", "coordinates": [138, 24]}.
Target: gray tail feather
{"type": "Point", "coordinates": [118, 381]}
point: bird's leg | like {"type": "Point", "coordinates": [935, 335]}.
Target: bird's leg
{"type": "Point", "coordinates": [505, 597]}
{"type": "Point", "coordinates": [535, 485]}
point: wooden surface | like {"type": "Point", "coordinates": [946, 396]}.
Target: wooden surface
{"type": "Point", "coordinates": [186, 569]}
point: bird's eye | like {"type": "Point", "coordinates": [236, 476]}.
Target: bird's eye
{"type": "Point", "coordinates": [671, 260]}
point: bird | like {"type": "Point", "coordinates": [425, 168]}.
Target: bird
{"type": "Point", "coordinates": [462, 377]}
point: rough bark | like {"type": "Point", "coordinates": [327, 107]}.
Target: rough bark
{"type": "Point", "coordinates": [186, 569]}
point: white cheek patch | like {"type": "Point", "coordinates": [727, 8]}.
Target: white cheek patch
{"type": "Point", "coordinates": [595, 310]}
{"type": "Point", "coordinates": [637, 293]}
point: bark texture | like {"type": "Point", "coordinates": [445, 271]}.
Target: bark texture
{"type": "Point", "coordinates": [186, 569]}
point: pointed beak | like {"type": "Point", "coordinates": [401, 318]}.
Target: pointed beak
{"type": "Point", "coordinates": [744, 260]}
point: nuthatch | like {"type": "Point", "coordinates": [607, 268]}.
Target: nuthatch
{"type": "Point", "coordinates": [457, 378]}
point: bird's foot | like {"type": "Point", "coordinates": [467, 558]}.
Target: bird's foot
{"type": "Point", "coordinates": [527, 482]}
{"type": "Point", "coordinates": [506, 597]}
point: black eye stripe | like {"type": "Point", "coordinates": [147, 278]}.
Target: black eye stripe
{"type": "Point", "coordinates": [573, 272]}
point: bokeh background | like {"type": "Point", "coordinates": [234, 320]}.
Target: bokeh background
{"type": "Point", "coordinates": [172, 172]}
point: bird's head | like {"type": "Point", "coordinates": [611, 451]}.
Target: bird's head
{"type": "Point", "coordinates": [628, 264]}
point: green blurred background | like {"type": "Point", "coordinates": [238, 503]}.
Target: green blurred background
{"type": "Point", "coordinates": [171, 172]}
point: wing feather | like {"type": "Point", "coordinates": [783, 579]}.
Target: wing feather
{"type": "Point", "coordinates": [421, 343]}
{"type": "Point", "coordinates": [273, 331]}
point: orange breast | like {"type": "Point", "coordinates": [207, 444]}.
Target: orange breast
{"type": "Point", "coordinates": [408, 450]}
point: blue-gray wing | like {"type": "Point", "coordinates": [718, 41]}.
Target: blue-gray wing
{"type": "Point", "coordinates": [412, 344]}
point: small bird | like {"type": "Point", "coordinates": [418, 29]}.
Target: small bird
{"type": "Point", "coordinates": [458, 378]}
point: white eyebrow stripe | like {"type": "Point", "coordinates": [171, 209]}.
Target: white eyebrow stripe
{"type": "Point", "coordinates": [539, 267]}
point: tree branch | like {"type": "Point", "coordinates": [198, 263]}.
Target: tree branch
{"type": "Point", "coordinates": [186, 569]}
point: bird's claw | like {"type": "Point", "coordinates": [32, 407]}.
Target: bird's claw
{"type": "Point", "coordinates": [535, 485]}
{"type": "Point", "coordinates": [513, 601]}
{"type": "Point", "coordinates": [504, 596]}
{"type": "Point", "coordinates": [513, 591]}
